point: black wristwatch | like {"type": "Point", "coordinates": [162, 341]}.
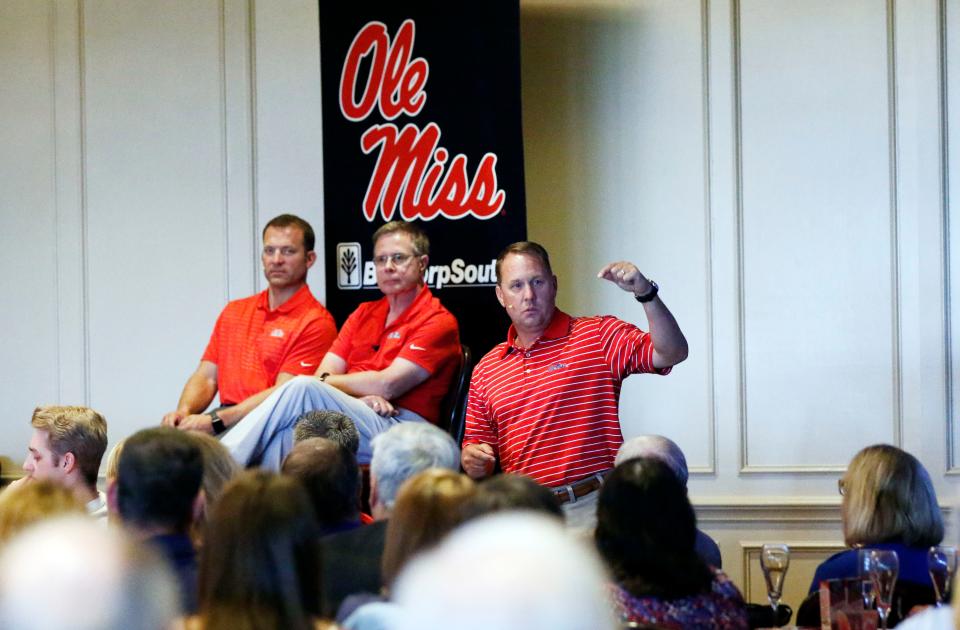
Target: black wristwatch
{"type": "Point", "coordinates": [217, 424]}
{"type": "Point", "coordinates": [649, 295]}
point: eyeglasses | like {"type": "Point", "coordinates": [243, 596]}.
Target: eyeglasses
{"type": "Point", "coordinates": [398, 260]}
{"type": "Point", "coordinates": [841, 487]}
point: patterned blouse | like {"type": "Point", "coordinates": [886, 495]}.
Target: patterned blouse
{"type": "Point", "coordinates": [722, 607]}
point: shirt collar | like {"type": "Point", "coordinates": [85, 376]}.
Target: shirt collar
{"type": "Point", "coordinates": [297, 299]}
{"type": "Point", "coordinates": [422, 296]}
{"type": "Point", "coordinates": [558, 327]}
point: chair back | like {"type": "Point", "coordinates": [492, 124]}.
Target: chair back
{"type": "Point", "coordinates": [453, 411]}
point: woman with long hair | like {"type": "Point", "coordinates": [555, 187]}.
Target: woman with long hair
{"type": "Point", "coordinates": [646, 532]}
{"type": "Point", "coordinates": [259, 563]}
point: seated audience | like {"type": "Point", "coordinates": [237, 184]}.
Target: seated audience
{"type": "Point", "coordinates": [331, 477]}
{"type": "Point", "coordinates": [66, 446]}
{"type": "Point", "coordinates": [505, 492]}
{"type": "Point", "coordinates": [326, 423]}
{"type": "Point", "coordinates": [74, 573]}
{"type": "Point", "coordinates": [259, 564]}
{"type": "Point", "coordinates": [157, 496]}
{"type": "Point", "coordinates": [509, 571]}
{"type": "Point", "coordinates": [888, 502]}
{"type": "Point", "coordinates": [27, 504]}
{"type": "Point", "coordinates": [351, 560]}
{"type": "Point", "coordinates": [646, 530]}
{"type": "Point", "coordinates": [667, 451]}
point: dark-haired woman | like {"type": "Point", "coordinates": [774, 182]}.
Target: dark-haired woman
{"type": "Point", "coordinates": [646, 531]}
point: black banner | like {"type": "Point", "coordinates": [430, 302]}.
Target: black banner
{"type": "Point", "coordinates": [421, 122]}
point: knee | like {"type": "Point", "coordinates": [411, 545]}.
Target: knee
{"type": "Point", "coordinates": [302, 383]}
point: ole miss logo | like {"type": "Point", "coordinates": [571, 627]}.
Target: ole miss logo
{"type": "Point", "coordinates": [413, 172]}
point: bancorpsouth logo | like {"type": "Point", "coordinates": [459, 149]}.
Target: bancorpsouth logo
{"type": "Point", "coordinates": [413, 174]}
{"type": "Point", "coordinates": [348, 266]}
{"type": "Point", "coordinates": [355, 273]}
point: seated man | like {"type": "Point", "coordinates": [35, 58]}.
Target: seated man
{"type": "Point", "coordinates": [545, 402]}
{"type": "Point", "coordinates": [667, 451]}
{"type": "Point", "coordinates": [392, 362]}
{"type": "Point", "coordinates": [263, 340]}
{"type": "Point", "coordinates": [157, 496]}
{"type": "Point", "coordinates": [66, 447]}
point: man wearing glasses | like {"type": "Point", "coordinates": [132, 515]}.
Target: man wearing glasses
{"type": "Point", "coordinates": [263, 340]}
{"type": "Point", "coordinates": [392, 361]}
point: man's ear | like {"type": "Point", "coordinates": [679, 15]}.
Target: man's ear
{"type": "Point", "coordinates": [499, 295]}
{"type": "Point", "coordinates": [311, 258]}
{"type": "Point", "coordinates": [68, 462]}
{"type": "Point", "coordinates": [112, 506]}
{"type": "Point", "coordinates": [199, 506]}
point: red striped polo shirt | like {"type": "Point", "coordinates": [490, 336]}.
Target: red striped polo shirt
{"type": "Point", "coordinates": [550, 411]}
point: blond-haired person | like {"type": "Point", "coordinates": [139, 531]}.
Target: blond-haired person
{"type": "Point", "coordinates": [66, 447]}
{"type": "Point", "coordinates": [31, 503]}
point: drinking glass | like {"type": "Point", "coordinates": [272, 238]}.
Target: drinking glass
{"type": "Point", "coordinates": [864, 562]}
{"type": "Point", "coordinates": [774, 560]}
{"type": "Point", "coordinates": [942, 564]}
{"type": "Point", "coordinates": [884, 567]}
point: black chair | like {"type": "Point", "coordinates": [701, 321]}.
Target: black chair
{"type": "Point", "coordinates": [906, 595]}
{"type": "Point", "coordinates": [453, 409]}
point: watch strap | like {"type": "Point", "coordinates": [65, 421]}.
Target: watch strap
{"type": "Point", "coordinates": [649, 295]}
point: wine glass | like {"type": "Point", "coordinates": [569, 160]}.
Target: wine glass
{"type": "Point", "coordinates": [884, 567]}
{"type": "Point", "coordinates": [864, 562]}
{"type": "Point", "coordinates": [942, 564]}
{"type": "Point", "coordinates": [774, 560]}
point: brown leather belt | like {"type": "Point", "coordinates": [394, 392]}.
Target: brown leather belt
{"type": "Point", "coordinates": [577, 489]}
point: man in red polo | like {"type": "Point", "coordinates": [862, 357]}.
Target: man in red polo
{"type": "Point", "coordinates": [544, 403]}
{"type": "Point", "coordinates": [392, 362]}
{"type": "Point", "coordinates": [263, 340]}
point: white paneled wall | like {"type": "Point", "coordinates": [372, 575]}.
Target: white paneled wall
{"type": "Point", "coordinates": [782, 169]}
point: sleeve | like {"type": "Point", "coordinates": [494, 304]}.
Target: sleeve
{"type": "Point", "coordinates": [344, 341]}
{"type": "Point", "coordinates": [312, 343]}
{"type": "Point", "coordinates": [433, 343]}
{"type": "Point", "coordinates": [627, 349]}
{"type": "Point", "coordinates": [480, 426]}
{"type": "Point", "coordinates": [212, 352]}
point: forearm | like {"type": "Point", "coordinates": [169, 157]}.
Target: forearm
{"type": "Point", "coordinates": [235, 413]}
{"type": "Point", "coordinates": [669, 343]}
{"type": "Point", "coordinates": [197, 394]}
{"type": "Point", "coordinates": [364, 384]}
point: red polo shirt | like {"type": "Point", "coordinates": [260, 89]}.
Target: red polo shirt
{"type": "Point", "coordinates": [251, 344]}
{"type": "Point", "coordinates": [550, 410]}
{"type": "Point", "coordinates": [426, 334]}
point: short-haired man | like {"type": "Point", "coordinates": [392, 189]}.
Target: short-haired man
{"type": "Point", "coordinates": [325, 423]}
{"type": "Point", "coordinates": [350, 561]}
{"type": "Point", "coordinates": [263, 340]}
{"type": "Point", "coordinates": [544, 403]}
{"type": "Point", "coordinates": [332, 478]}
{"type": "Point", "coordinates": [668, 452]}
{"type": "Point", "coordinates": [392, 362]}
{"type": "Point", "coordinates": [67, 445]}
{"type": "Point", "coordinates": [157, 496]}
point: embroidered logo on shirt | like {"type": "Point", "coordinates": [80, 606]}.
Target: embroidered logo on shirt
{"type": "Point", "coordinates": [305, 364]}
{"type": "Point", "coordinates": [394, 335]}
{"type": "Point", "coordinates": [414, 346]}
{"type": "Point", "coordinates": [276, 332]}
{"type": "Point", "coordinates": [556, 366]}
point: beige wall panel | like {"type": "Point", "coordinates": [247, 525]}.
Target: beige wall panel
{"type": "Point", "coordinates": [156, 212]}
{"type": "Point", "coordinates": [28, 222]}
{"type": "Point", "coordinates": [615, 149]}
{"type": "Point", "coordinates": [818, 264]}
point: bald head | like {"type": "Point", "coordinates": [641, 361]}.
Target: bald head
{"type": "Point", "coordinates": [657, 447]}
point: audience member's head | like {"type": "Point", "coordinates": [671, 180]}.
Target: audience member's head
{"type": "Point", "coordinates": [30, 503]}
{"type": "Point", "coordinates": [113, 461]}
{"type": "Point", "coordinates": [327, 423]}
{"type": "Point", "coordinates": [401, 452]}
{"type": "Point", "coordinates": [888, 497]}
{"type": "Point", "coordinates": [219, 467]}
{"type": "Point", "coordinates": [430, 504]}
{"type": "Point", "coordinates": [67, 445]}
{"type": "Point", "coordinates": [259, 567]}
{"type": "Point", "coordinates": [75, 573]}
{"type": "Point", "coordinates": [657, 447]}
{"type": "Point", "coordinates": [331, 476]}
{"type": "Point", "coordinates": [523, 571]}
{"type": "Point", "coordinates": [158, 481]}
{"type": "Point", "coordinates": [505, 492]}
{"type": "Point", "coordinates": [646, 531]}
